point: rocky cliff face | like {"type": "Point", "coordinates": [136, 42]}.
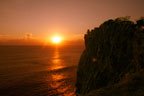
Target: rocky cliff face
{"type": "Point", "coordinates": [112, 50]}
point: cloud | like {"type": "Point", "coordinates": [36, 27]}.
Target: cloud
{"type": "Point", "coordinates": [28, 36]}
{"type": "Point", "coordinates": [4, 36]}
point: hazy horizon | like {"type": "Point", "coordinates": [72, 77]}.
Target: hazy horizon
{"type": "Point", "coordinates": [39, 42]}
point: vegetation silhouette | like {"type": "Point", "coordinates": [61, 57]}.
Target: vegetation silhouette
{"type": "Point", "coordinates": [114, 53]}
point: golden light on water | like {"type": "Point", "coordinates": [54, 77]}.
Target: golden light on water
{"type": "Point", "coordinates": [59, 76]}
{"type": "Point", "coordinates": [57, 62]}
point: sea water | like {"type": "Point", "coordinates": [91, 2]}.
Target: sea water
{"type": "Point", "coordinates": [38, 70]}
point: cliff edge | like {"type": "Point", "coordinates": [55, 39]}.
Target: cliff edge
{"type": "Point", "coordinates": [112, 63]}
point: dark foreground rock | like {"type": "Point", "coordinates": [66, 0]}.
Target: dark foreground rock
{"type": "Point", "coordinates": [113, 60]}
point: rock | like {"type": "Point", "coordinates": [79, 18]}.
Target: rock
{"type": "Point", "coordinates": [130, 85]}
{"type": "Point", "coordinates": [112, 50]}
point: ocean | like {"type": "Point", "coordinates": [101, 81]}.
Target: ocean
{"type": "Point", "coordinates": [38, 70]}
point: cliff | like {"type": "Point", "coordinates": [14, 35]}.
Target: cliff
{"type": "Point", "coordinates": [113, 60]}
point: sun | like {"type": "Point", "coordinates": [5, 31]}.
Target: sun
{"type": "Point", "coordinates": [56, 39]}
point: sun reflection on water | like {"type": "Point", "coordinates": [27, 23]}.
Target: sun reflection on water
{"type": "Point", "coordinates": [57, 62]}
{"type": "Point", "coordinates": [59, 81]}
{"type": "Point", "coordinates": [57, 77]}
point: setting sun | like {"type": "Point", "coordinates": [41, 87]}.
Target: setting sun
{"type": "Point", "coordinates": [56, 39]}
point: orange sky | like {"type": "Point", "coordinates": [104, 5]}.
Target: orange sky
{"type": "Point", "coordinates": [71, 18]}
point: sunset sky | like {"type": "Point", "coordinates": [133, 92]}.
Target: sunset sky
{"type": "Point", "coordinates": [71, 18]}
